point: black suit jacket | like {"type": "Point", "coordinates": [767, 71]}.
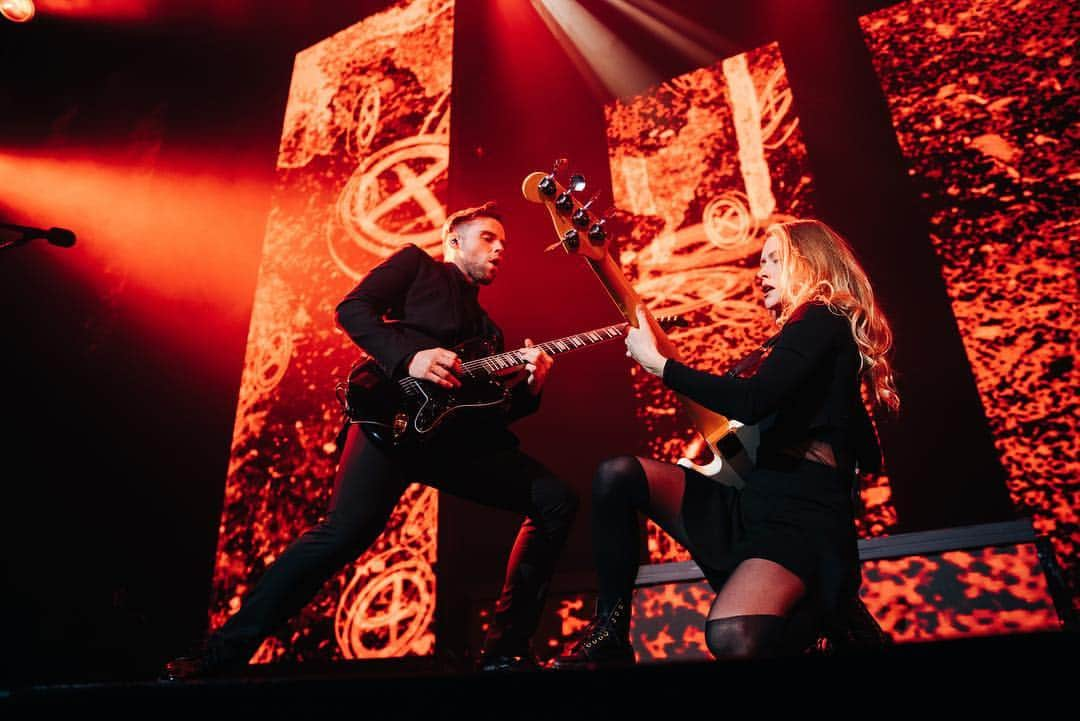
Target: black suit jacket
{"type": "Point", "coordinates": [411, 302]}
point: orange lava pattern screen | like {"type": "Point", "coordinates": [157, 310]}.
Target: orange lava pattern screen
{"type": "Point", "coordinates": [361, 171]}
{"type": "Point", "coordinates": [984, 99]}
{"type": "Point", "coordinates": [982, 106]}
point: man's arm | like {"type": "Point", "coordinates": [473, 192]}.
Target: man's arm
{"type": "Point", "coordinates": [525, 396]}
{"type": "Point", "coordinates": [523, 402]}
{"type": "Point", "coordinates": [383, 291]}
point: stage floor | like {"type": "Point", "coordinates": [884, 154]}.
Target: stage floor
{"type": "Point", "coordinates": [1025, 668]}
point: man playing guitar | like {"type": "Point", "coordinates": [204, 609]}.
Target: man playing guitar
{"type": "Point", "coordinates": [406, 313]}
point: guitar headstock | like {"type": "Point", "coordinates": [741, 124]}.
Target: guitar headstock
{"type": "Point", "coordinates": [580, 231]}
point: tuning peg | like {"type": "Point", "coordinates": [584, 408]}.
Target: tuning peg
{"type": "Point", "coordinates": [565, 201]}
{"type": "Point", "coordinates": [581, 215]}
{"type": "Point", "coordinates": [547, 184]}
{"type": "Point", "coordinates": [572, 239]}
{"type": "Point", "coordinates": [597, 233]}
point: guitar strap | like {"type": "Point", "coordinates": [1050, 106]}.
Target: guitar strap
{"type": "Point", "coordinates": [753, 360]}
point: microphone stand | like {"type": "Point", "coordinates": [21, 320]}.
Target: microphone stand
{"type": "Point", "coordinates": [56, 236]}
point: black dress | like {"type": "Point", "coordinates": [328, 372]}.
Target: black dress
{"type": "Point", "coordinates": [793, 511]}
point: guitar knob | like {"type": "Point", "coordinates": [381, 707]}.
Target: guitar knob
{"type": "Point", "coordinates": [572, 239]}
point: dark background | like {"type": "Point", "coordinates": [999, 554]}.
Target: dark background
{"type": "Point", "coordinates": [119, 396]}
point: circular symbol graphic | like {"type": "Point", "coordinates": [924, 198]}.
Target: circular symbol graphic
{"type": "Point", "coordinates": [268, 359]}
{"type": "Point", "coordinates": [392, 199]}
{"type": "Point", "coordinates": [385, 615]}
{"type": "Point", "coordinates": [367, 121]}
{"type": "Point", "coordinates": [727, 220]}
{"type": "Point", "coordinates": [418, 530]}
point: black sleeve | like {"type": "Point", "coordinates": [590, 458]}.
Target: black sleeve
{"type": "Point", "coordinates": [383, 291]}
{"type": "Point", "coordinates": [522, 402]}
{"type": "Point", "coordinates": [867, 450]}
{"type": "Point", "coordinates": [805, 338]}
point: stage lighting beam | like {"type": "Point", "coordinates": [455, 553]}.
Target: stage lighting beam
{"type": "Point", "coordinates": [18, 11]}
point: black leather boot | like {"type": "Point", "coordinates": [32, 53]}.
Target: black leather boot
{"type": "Point", "coordinates": [502, 662]}
{"type": "Point", "coordinates": [605, 641]}
{"type": "Point", "coordinates": [856, 631]}
{"type": "Point", "coordinates": [207, 660]}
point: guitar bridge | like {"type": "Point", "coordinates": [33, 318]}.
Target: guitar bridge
{"type": "Point", "coordinates": [401, 424]}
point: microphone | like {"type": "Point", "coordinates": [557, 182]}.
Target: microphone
{"type": "Point", "coordinates": [60, 237]}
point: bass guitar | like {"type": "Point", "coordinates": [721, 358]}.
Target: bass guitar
{"type": "Point", "coordinates": [733, 445]}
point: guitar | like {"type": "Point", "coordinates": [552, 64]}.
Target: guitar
{"type": "Point", "coordinates": [405, 414]}
{"type": "Point", "coordinates": [733, 444]}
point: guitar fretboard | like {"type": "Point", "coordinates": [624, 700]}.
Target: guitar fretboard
{"type": "Point", "coordinates": [514, 358]}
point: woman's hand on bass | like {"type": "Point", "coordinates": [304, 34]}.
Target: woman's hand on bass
{"type": "Point", "coordinates": [641, 346]}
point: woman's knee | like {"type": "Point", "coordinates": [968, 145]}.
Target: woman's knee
{"type": "Point", "coordinates": [750, 636]}
{"type": "Point", "coordinates": [616, 476]}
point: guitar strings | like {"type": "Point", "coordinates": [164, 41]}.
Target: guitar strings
{"type": "Point", "coordinates": [510, 359]}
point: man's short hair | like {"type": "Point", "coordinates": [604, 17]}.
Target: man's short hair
{"type": "Point", "coordinates": [487, 210]}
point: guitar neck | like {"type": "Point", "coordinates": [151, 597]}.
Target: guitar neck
{"type": "Point", "coordinates": [711, 425]}
{"type": "Point", "coordinates": [511, 359]}
{"type": "Point", "coordinates": [628, 301]}
{"type": "Point", "coordinates": [559, 202]}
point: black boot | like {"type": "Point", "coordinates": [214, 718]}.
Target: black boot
{"type": "Point", "coordinates": [855, 631]}
{"type": "Point", "coordinates": [207, 660]}
{"type": "Point", "coordinates": [507, 662]}
{"type": "Point", "coordinates": [605, 641]}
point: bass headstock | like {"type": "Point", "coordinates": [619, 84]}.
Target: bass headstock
{"type": "Point", "coordinates": [579, 230]}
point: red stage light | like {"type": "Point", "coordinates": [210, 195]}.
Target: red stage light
{"type": "Point", "coordinates": [17, 11]}
{"type": "Point", "coordinates": [103, 10]}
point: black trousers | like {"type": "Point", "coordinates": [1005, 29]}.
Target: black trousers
{"type": "Point", "coordinates": [367, 487]}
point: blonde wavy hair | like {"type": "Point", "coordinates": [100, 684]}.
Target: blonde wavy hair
{"type": "Point", "coordinates": [816, 264]}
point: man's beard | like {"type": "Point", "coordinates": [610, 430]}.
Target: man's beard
{"type": "Point", "coordinates": [478, 274]}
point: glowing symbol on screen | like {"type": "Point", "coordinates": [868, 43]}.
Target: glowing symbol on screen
{"type": "Point", "coordinates": [367, 121]}
{"type": "Point", "coordinates": [727, 221]}
{"type": "Point", "coordinates": [269, 360]}
{"type": "Point", "coordinates": [775, 107]}
{"type": "Point", "coordinates": [393, 199]}
{"type": "Point", "coordinates": [387, 615]}
{"type": "Point", "coordinates": [269, 650]}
